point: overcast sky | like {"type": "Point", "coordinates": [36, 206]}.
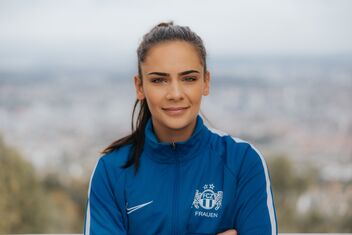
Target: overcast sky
{"type": "Point", "coordinates": [96, 30]}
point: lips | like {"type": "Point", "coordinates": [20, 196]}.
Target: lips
{"type": "Point", "coordinates": [175, 108]}
{"type": "Point", "coordinates": [175, 111]}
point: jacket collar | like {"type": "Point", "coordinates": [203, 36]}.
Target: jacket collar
{"type": "Point", "coordinates": [180, 151]}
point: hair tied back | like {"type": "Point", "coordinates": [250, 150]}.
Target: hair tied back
{"type": "Point", "coordinates": [165, 24]}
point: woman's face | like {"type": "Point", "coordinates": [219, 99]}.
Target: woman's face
{"type": "Point", "coordinates": [173, 85]}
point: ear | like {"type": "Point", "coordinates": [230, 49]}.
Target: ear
{"type": "Point", "coordinates": [139, 87]}
{"type": "Point", "coordinates": [206, 83]}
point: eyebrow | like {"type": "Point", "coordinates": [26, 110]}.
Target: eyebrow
{"type": "Point", "coordinates": [180, 74]}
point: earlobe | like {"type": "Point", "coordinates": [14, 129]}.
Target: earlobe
{"type": "Point", "coordinates": [139, 88]}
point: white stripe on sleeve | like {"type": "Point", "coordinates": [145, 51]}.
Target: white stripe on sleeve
{"type": "Point", "coordinates": [270, 203]}
{"type": "Point", "coordinates": [87, 230]}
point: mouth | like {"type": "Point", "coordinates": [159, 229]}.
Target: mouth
{"type": "Point", "coordinates": [175, 110]}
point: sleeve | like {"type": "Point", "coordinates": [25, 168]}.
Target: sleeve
{"type": "Point", "coordinates": [103, 215]}
{"type": "Point", "coordinates": [255, 205]}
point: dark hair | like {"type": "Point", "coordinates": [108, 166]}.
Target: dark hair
{"type": "Point", "coordinates": [162, 32]}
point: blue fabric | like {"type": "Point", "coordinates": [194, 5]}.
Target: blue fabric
{"type": "Point", "coordinates": [206, 185]}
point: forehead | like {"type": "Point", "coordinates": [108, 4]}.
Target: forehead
{"type": "Point", "coordinates": [174, 56]}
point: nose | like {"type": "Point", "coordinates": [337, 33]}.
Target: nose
{"type": "Point", "coordinates": [175, 91]}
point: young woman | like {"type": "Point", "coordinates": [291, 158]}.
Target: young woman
{"type": "Point", "coordinates": [172, 174]}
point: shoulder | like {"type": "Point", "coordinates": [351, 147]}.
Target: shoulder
{"type": "Point", "coordinates": [107, 177]}
{"type": "Point", "coordinates": [116, 158]}
{"type": "Point", "coordinates": [110, 164]}
{"type": "Point", "coordinates": [226, 143]}
{"type": "Point", "coordinates": [237, 154]}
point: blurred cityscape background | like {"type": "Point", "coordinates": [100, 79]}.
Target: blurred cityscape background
{"type": "Point", "coordinates": [281, 79]}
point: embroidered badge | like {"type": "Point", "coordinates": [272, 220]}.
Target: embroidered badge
{"type": "Point", "coordinates": [208, 199]}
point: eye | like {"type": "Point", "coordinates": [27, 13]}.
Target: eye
{"type": "Point", "coordinates": [157, 80]}
{"type": "Point", "coordinates": [190, 79]}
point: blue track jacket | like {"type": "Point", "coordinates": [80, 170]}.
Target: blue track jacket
{"type": "Point", "coordinates": [206, 185]}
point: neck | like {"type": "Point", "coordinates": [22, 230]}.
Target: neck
{"type": "Point", "coordinates": [169, 135]}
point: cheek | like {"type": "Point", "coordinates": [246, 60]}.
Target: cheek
{"type": "Point", "coordinates": [153, 97]}
{"type": "Point", "coordinates": [195, 95]}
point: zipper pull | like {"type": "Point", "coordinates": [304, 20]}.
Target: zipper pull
{"type": "Point", "coordinates": [173, 145]}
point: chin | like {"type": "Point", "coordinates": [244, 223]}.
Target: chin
{"type": "Point", "coordinates": [178, 123]}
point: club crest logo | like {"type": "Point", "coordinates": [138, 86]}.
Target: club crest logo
{"type": "Point", "coordinates": [208, 199]}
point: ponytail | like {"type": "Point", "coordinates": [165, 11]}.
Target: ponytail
{"type": "Point", "coordinates": [136, 138]}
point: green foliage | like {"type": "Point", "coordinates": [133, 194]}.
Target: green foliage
{"type": "Point", "coordinates": [30, 205]}
{"type": "Point", "coordinates": [67, 204]}
{"type": "Point", "coordinates": [345, 223]}
{"type": "Point", "coordinates": [288, 185]}
{"type": "Point", "coordinates": [23, 206]}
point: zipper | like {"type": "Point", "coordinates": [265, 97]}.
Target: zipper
{"type": "Point", "coordinates": [176, 191]}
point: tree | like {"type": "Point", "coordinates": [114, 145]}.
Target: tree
{"type": "Point", "coordinates": [23, 205]}
{"type": "Point", "coordinates": [287, 186]}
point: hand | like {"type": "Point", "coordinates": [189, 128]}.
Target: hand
{"type": "Point", "coordinates": [228, 232]}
